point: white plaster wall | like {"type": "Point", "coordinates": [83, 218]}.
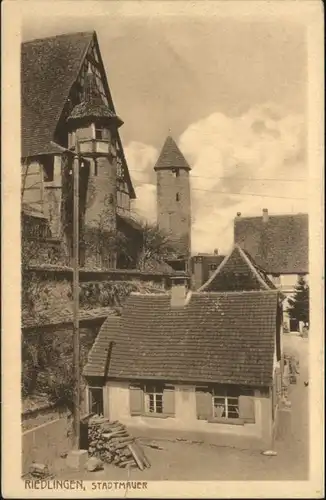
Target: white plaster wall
{"type": "Point", "coordinates": [288, 281]}
{"type": "Point", "coordinates": [185, 414]}
{"type": "Point", "coordinates": [33, 184]}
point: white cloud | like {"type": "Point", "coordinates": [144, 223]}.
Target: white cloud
{"type": "Point", "coordinates": [232, 157]}
{"type": "Point", "coordinates": [144, 207]}
{"type": "Point", "coordinates": [141, 159]}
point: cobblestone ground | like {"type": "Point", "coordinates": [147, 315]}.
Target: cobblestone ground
{"type": "Point", "coordinates": [185, 461]}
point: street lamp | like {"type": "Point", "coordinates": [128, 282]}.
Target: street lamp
{"type": "Point", "coordinates": [76, 335]}
{"type": "Point", "coordinates": [92, 135]}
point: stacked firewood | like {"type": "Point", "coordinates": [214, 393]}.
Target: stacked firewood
{"type": "Point", "coordinates": [111, 442]}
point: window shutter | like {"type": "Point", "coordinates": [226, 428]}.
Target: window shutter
{"type": "Point", "coordinates": [169, 401]}
{"type": "Point", "coordinates": [136, 400]}
{"type": "Point", "coordinates": [247, 409]}
{"type": "Point", "coordinates": [204, 404]}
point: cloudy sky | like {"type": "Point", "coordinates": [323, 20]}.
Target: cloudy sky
{"type": "Point", "coordinates": [231, 93]}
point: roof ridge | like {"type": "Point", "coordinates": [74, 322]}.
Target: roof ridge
{"type": "Point", "coordinates": [299, 214]}
{"type": "Point", "coordinates": [237, 292]}
{"type": "Point", "coordinates": [74, 33]}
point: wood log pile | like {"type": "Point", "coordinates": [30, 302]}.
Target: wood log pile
{"type": "Point", "coordinates": [111, 442]}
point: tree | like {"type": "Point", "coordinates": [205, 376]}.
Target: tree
{"type": "Point", "coordinates": [299, 304]}
{"type": "Point", "coordinates": [154, 245]}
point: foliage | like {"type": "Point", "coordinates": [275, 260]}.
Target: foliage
{"type": "Point", "coordinates": [155, 244]}
{"type": "Point", "coordinates": [299, 304]}
{"type": "Point", "coordinates": [111, 293]}
{"type": "Point", "coordinates": [48, 368]}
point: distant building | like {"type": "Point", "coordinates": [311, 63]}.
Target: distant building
{"type": "Point", "coordinates": [66, 99]}
{"type": "Point", "coordinates": [279, 244]}
{"type": "Point", "coordinates": [237, 273]}
{"type": "Point", "coordinates": [202, 266]}
{"type": "Point", "coordinates": [205, 365]}
{"type": "Point", "coordinates": [173, 202]}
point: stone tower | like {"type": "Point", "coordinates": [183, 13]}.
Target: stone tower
{"type": "Point", "coordinates": [93, 127]}
{"type": "Point", "coordinates": [173, 199]}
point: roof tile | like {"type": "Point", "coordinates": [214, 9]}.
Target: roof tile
{"type": "Point", "coordinates": [218, 337]}
{"type": "Point", "coordinates": [278, 245]}
{"type": "Point", "coordinates": [237, 272]}
{"type": "Point", "coordinates": [49, 67]}
{"type": "Point", "coordinates": [171, 156]}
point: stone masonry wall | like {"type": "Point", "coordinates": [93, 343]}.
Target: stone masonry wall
{"type": "Point", "coordinates": [173, 207]}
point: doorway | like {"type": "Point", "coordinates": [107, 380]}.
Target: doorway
{"type": "Point", "coordinates": [95, 400]}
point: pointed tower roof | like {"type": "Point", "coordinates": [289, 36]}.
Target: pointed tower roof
{"type": "Point", "coordinates": [171, 157]}
{"type": "Point", "coordinates": [92, 105]}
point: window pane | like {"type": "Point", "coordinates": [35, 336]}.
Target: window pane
{"type": "Point", "coordinates": [151, 403]}
{"type": "Point", "coordinates": [159, 403]}
{"type": "Point", "coordinates": [219, 409]}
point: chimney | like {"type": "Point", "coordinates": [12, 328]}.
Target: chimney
{"type": "Point", "coordinates": [215, 251]}
{"type": "Point", "coordinates": [238, 214]}
{"type": "Point", "coordinates": [179, 291]}
{"type": "Point", "coordinates": [265, 215]}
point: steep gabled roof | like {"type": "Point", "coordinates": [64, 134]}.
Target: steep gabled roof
{"type": "Point", "coordinates": [237, 272]}
{"type": "Point", "coordinates": [226, 338]}
{"type": "Point", "coordinates": [279, 245]}
{"type": "Point", "coordinates": [49, 67]}
{"type": "Point", "coordinates": [171, 157]}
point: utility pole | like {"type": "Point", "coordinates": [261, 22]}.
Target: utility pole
{"type": "Point", "coordinates": [76, 340]}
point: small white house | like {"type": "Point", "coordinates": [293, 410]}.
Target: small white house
{"type": "Point", "coordinates": [202, 365]}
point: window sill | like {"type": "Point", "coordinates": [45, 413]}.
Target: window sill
{"type": "Point", "coordinates": [227, 421]}
{"type": "Point", "coordinates": [152, 415]}
{"type": "Point", "coordinates": [156, 415]}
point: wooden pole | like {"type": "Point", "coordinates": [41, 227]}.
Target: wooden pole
{"type": "Point", "coordinates": [76, 343]}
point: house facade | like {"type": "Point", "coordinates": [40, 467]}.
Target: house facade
{"type": "Point", "coordinates": [192, 364]}
{"type": "Point", "coordinates": [279, 244]}
{"type": "Point", "coordinates": [66, 100]}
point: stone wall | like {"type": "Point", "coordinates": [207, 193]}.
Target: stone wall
{"type": "Point", "coordinates": [173, 207]}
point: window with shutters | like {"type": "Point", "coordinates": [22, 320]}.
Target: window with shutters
{"type": "Point", "coordinates": [225, 405]}
{"type": "Point", "coordinates": [152, 400]}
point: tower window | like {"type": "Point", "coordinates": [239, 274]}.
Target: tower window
{"type": "Point", "coordinates": [48, 168]}
{"type": "Point", "coordinates": [98, 133]}
{"type": "Point", "coordinates": [176, 172]}
{"type": "Point", "coordinates": [177, 197]}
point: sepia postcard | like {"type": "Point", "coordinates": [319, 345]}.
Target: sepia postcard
{"type": "Point", "coordinates": [163, 259]}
